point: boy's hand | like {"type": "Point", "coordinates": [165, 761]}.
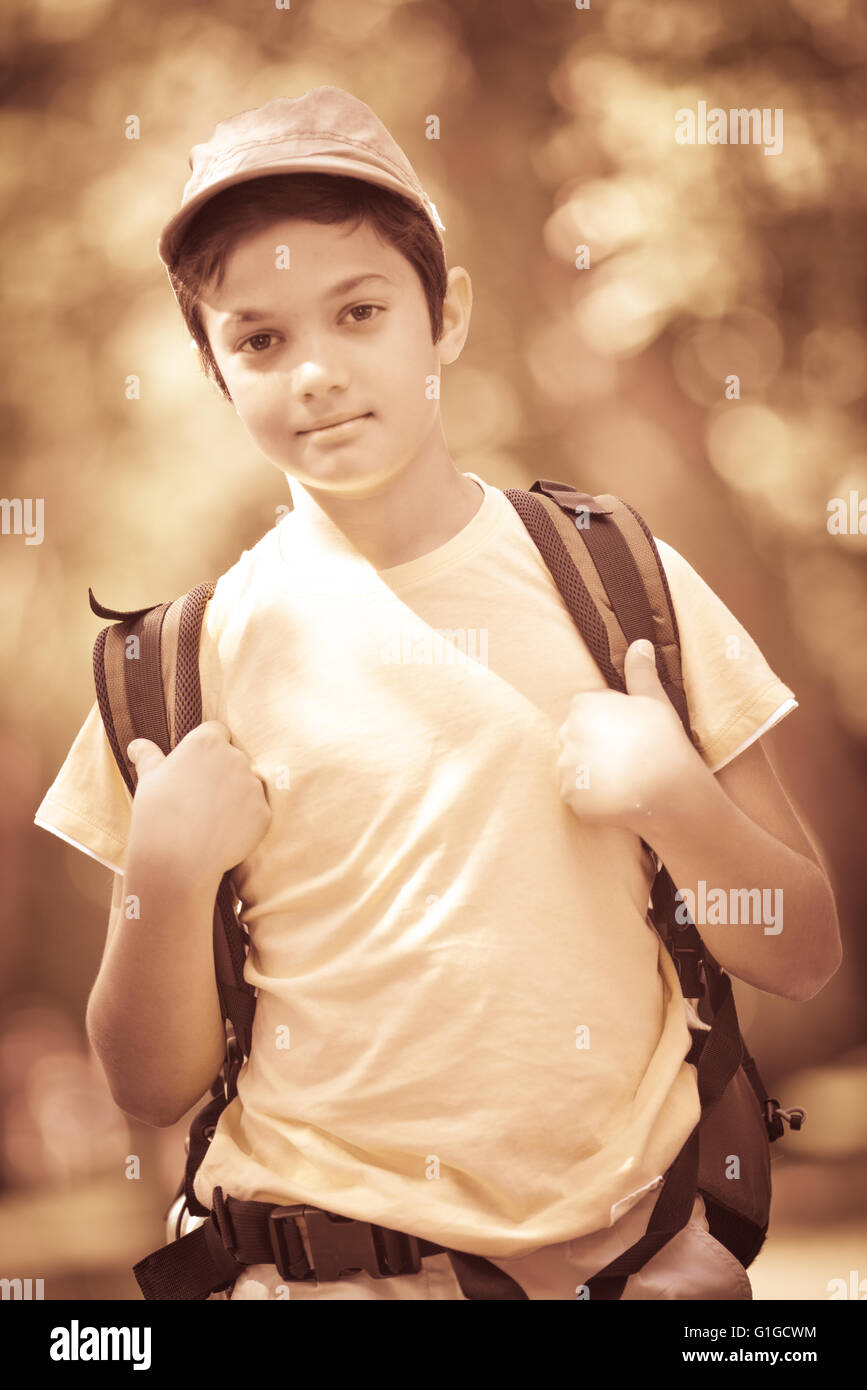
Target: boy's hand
{"type": "Point", "coordinates": [201, 803]}
{"type": "Point", "coordinates": [623, 756]}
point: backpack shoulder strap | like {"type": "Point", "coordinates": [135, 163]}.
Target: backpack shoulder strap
{"type": "Point", "coordinates": [605, 563]}
{"type": "Point", "coordinates": [146, 672]}
{"type": "Point", "coordinates": [128, 680]}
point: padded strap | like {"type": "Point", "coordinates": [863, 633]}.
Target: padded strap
{"type": "Point", "coordinates": [188, 688]}
{"type": "Point", "coordinates": [129, 690]}
{"type": "Point", "coordinates": [144, 680]}
{"type": "Point", "coordinates": [237, 998]}
{"type": "Point", "coordinates": [636, 534]}
{"type": "Point", "coordinates": [574, 579]}
{"type": "Point", "coordinates": [620, 575]}
{"type": "Point", "coordinates": [611, 578]}
{"type": "Point", "coordinates": [130, 664]}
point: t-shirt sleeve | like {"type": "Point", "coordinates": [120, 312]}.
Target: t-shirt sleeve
{"type": "Point", "coordinates": [732, 693]}
{"type": "Point", "coordinates": [88, 804]}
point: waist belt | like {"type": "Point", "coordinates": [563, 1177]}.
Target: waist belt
{"type": "Point", "coordinates": [236, 1234]}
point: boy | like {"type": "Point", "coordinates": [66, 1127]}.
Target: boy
{"type": "Point", "coordinates": [435, 911]}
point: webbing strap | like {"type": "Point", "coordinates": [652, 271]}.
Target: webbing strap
{"type": "Point", "coordinates": [481, 1280]}
{"type": "Point", "coordinates": [239, 1001]}
{"type": "Point", "coordinates": [720, 1057]}
{"type": "Point", "coordinates": [670, 1214]}
{"type": "Point", "coordinates": [209, 1259]}
{"type": "Point", "coordinates": [200, 1134]}
{"type": "Point", "coordinates": [192, 1267]}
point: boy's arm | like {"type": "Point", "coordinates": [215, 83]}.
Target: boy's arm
{"type": "Point", "coordinates": [153, 1016]}
{"type": "Point", "coordinates": [736, 830]}
{"type": "Point", "coordinates": [734, 698]}
{"type": "Point", "coordinates": [753, 784]}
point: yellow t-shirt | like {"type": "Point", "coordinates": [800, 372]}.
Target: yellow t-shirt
{"type": "Point", "coordinates": [430, 924]}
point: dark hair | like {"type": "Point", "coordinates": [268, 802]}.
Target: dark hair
{"type": "Point", "coordinates": [324, 198]}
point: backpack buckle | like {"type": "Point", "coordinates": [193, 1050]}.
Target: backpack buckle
{"type": "Point", "coordinates": [339, 1245]}
{"type": "Point", "coordinates": [775, 1115]}
{"type": "Point", "coordinates": [794, 1116]}
{"type": "Point", "coordinates": [688, 962]}
{"type": "Point", "coordinates": [232, 1066]}
{"type": "Point", "coordinates": [773, 1123]}
{"type": "Point", "coordinates": [292, 1263]}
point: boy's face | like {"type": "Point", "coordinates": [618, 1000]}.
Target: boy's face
{"type": "Point", "coordinates": [315, 352]}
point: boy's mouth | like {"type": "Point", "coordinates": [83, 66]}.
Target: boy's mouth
{"type": "Point", "coordinates": [342, 422]}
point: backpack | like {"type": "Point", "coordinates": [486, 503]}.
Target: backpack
{"type": "Point", "coordinates": [605, 563]}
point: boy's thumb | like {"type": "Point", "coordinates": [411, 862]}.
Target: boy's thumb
{"type": "Point", "coordinates": [144, 754]}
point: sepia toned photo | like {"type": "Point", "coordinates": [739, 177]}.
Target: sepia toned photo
{"type": "Point", "coordinates": [435, 739]}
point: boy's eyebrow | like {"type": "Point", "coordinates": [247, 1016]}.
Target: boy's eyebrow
{"type": "Point", "coordinates": [244, 315]}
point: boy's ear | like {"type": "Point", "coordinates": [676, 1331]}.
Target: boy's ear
{"type": "Point", "coordinates": [457, 309]}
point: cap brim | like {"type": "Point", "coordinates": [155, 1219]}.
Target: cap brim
{"type": "Point", "coordinates": [173, 232]}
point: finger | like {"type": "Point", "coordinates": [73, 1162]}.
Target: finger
{"type": "Point", "coordinates": [640, 673]}
{"type": "Point", "coordinates": [144, 755]}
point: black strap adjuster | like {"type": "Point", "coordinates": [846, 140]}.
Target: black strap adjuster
{"type": "Point", "coordinates": [338, 1245]}
{"type": "Point", "coordinates": [287, 1246]}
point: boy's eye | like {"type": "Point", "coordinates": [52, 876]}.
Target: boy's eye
{"type": "Point", "coordinates": [364, 306]}
{"type": "Point", "coordinates": [255, 337]}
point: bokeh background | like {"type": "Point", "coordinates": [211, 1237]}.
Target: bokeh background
{"type": "Point", "coordinates": [556, 129]}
